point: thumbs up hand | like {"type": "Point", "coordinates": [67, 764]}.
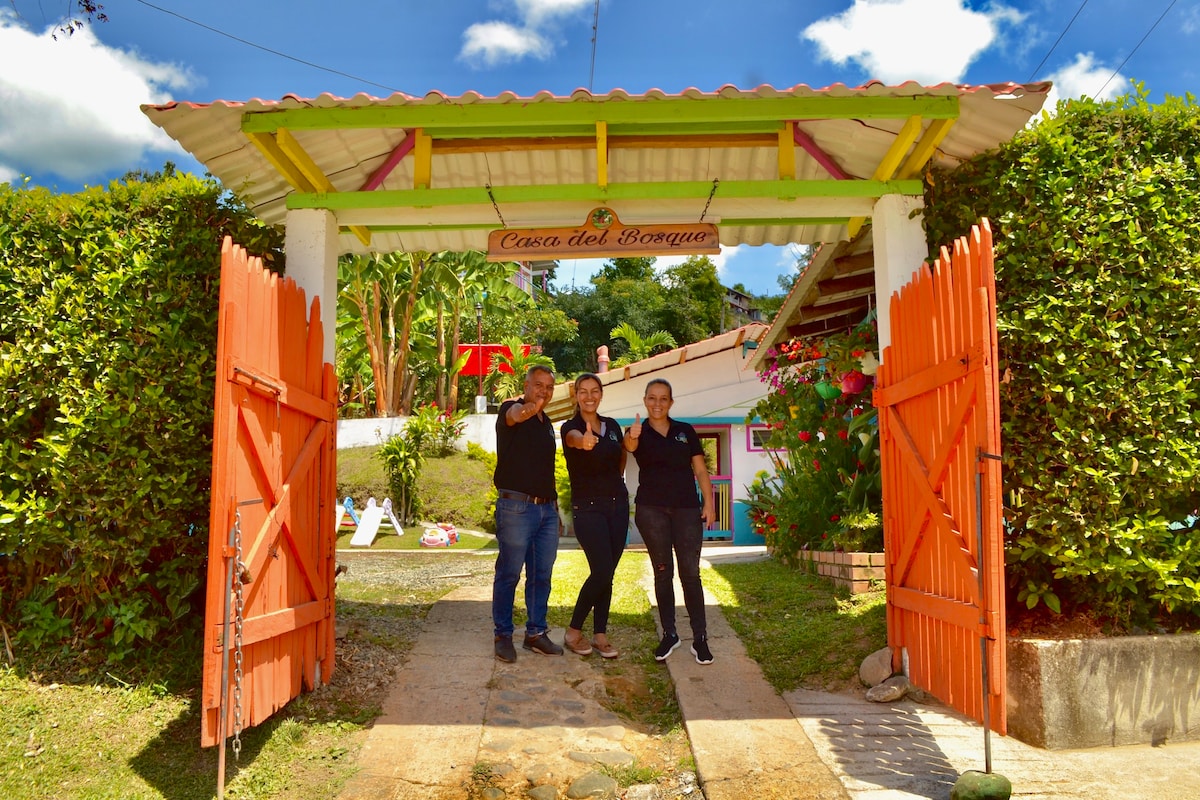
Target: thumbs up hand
{"type": "Point", "coordinates": [589, 439]}
{"type": "Point", "coordinates": [635, 430]}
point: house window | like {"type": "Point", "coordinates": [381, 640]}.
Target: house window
{"type": "Point", "coordinates": [757, 437]}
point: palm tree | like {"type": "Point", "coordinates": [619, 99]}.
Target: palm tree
{"type": "Point", "coordinates": [507, 385]}
{"type": "Point", "coordinates": [639, 347]}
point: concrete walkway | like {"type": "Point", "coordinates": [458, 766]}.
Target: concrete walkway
{"type": "Point", "coordinates": [541, 728]}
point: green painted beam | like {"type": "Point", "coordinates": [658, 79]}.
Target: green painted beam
{"type": "Point", "coordinates": [660, 190]}
{"type": "Point", "coordinates": [743, 222]}
{"type": "Point", "coordinates": [724, 223]}
{"type": "Point", "coordinates": [501, 118]}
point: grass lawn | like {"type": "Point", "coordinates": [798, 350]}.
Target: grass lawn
{"type": "Point", "coordinates": [388, 539]}
{"type": "Point", "coordinates": [800, 630]}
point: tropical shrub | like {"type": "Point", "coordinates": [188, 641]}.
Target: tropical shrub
{"type": "Point", "coordinates": [402, 459]}
{"type": "Point", "coordinates": [435, 432]}
{"type": "Point", "coordinates": [1096, 215]}
{"type": "Point", "coordinates": [826, 492]}
{"type": "Point", "coordinates": [108, 322]}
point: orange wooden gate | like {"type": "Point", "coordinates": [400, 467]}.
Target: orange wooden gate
{"type": "Point", "coordinates": [273, 491]}
{"type": "Point", "coordinates": [940, 438]}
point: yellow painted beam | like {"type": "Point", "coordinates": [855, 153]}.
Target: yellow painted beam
{"type": "Point", "coordinates": [890, 163]}
{"type": "Point", "coordinates": [925, 148]}
{"type": "Point", "coordinates": [787, 151]}
{"type": "Point", "coordinates": [601, 154]}
{"type": "Point", "coordinates": [422, 160]}
{"type": "Point", "coordinates": [299, 157]}
{"type": "Point", "coordinates": [266, 144]}
{"type": "Point", "coordinates": [904, 139]}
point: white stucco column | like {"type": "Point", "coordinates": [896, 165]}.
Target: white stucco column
{"type": "Point", "coordinates": [311, 245]}
{"type": "Point", "coordinates": [900, 248]}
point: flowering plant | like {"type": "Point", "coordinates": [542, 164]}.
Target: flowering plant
{"type": "Point", "coordinates": [826, 491]}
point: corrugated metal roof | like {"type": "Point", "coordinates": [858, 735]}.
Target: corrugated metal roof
{"type": "Point", "coordinates": [350, 155]}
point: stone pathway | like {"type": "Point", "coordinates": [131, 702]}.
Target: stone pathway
{"type": "Point", "coordinates": [459, 724]}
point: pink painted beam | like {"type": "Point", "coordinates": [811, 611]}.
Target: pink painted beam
{"type": "Point", "coordinates": [821, 157]}
{"type": "Point", "coordinates": [385, 169]}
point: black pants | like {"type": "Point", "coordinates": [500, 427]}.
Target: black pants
{"type": "Point", "coordinates": [601, 527]}
{"type": "Point", "coordinates": [681, 530]}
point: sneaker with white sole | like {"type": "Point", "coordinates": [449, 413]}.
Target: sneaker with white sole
{"type": "Point", "coordinates": [701, 652]}
{"type": "Point", "coordinates": [668, 644]}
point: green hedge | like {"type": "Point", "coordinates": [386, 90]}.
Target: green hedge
{"type": "Point", "coordinates": [1097, 219]}
{"type": "Point", "coordinates": [108, 311]}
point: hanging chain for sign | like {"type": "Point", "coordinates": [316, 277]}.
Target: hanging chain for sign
{"type": "Point", "coordinates": [710, 197]}
{"type": "Point", "coordinates": [239, 569]}
{"type": "Point", "coordinates": [492, 197]}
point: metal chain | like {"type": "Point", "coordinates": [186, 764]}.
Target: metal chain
{"type": "Point", "coordinates": [492, 197]}
{"type": "Point", "coordinates": [710, 197]}
{"type": "Point", "coordinates": [239, 569]}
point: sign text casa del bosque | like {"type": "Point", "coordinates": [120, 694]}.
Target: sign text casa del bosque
{"type": "Point", "coordinates": [602, 234]}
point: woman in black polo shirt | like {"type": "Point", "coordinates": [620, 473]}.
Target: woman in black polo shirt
{"type": "Point", "coordinates": [600, 510]}
{"type": "Point", "coordinates": [670, 515]}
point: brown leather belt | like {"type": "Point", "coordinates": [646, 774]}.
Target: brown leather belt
{"type": "Point", "coordinates": [527, 498]}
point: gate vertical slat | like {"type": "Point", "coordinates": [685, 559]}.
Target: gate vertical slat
{"type": "Point", "coordinates": [936, 391]}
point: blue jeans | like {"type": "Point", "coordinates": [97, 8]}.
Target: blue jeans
{"type": "Point", "coordinates": [528, 537]}
{"type": "Point", "coordinates": [682, 530]}
{"type": "Point", "coordinates": [601, 527]}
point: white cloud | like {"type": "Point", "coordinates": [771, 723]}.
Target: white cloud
{"type": "Point", "coordinates": [535, 12]}
{"type": "Point", "coordinates": [1084, 77]}
{"type": "Point", "coordinates": [879, 36]}
{"type": "Point", "coordinates": [496, 42]}
{"type": "Point", "coordinates": [493, 43]}
{"type": "Point", "coordinates": [75, 112]}
{"type": "Point", "coordinates": [1191, 20]}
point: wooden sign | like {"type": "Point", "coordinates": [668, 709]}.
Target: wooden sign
{"type": "Point", "coordinates": [602, 234]}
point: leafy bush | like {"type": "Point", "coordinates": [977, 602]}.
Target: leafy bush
{"type": "Point", "coordinates": [435, 432]}
{"type": "Point", "coordinates": [108, 314]}
{"type": "Point", "coordinates": [402, 459]}
{"type": "Point", "coordinates": [826, 490]}
{"type": "Point", "coordinates": [1096, 214]}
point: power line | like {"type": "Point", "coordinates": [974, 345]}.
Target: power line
{"type": "Point", "coordinates": [595, 33]}
{"type": "Point", "coordinates": [1135, 49]}
{"type": "Point", "coordinates": [267, 49]}
{"type": "Point", "coordinates": [1038, 69]}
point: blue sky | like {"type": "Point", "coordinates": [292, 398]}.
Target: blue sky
{"type": "Point", "coordinates": [69, 105]}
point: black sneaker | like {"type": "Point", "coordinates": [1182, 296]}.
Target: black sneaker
{"type": "Point", "coordinates": [541, 644]}
{"type": "Point", "coordinates": [700, 650]}
{"type": "Point", "coordinates": [668, 644]}
{"type": "Point", "coordinates": [505, 650]}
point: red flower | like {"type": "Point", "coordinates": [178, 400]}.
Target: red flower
{"type": "Point", "coordinates": [770, 519]}
{"type": "Point", "coordinates": [816, 465]}
{"type": "Point", "coordinates": [805, 436]}
{"type": "Point", "coordinates": [843, 434]}
{"type": "Point", "coordinates": [834, 517]}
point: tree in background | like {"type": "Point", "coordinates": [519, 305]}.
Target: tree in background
{"type": "Point", "coordinates": [507, 385]}
{"type": "Point", "coordinates": [639, 346]}
{"type": "Point", "coordinates": [383, 289]}
{"type": "Point", "coordinates": [695, 299]}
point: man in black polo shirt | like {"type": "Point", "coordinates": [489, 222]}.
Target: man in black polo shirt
{"type": "Point", "coordinates": [526, 515]}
